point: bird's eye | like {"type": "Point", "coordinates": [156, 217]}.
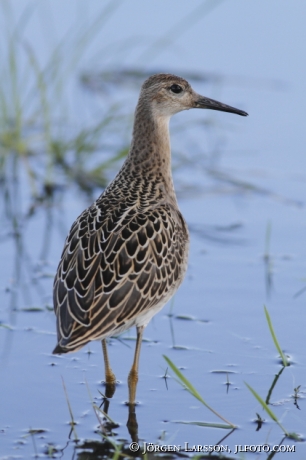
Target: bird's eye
{"type": "Point", "coordinates": [176, 89]}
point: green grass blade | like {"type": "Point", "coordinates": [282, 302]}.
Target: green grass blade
{"type": "Point", "coordinates": [204, 424]}
{"type": "Point", "coordinates": [284, 359]}
{"type": "Point", "coordinates": [266, 408]}
{"type": "Point", "coordinates": [183, 381]}
{"type": "Point", "coordinates": [268, 239]}
{"type": "Point", "coordinates": [72, 423]}
{"type": "Point", "coordinates": [6, 326]}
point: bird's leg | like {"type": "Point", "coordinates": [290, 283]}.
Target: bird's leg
{"type": "Point", "coordinates": [110, 378]}
{"type": "Point", "coordinates": [133, 375]}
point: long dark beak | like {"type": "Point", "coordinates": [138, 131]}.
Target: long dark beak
{"type": "Point", "coordinates": [202, 102]}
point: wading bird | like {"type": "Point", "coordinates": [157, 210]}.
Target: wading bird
{"type": "Point", "coordinates": [126, 255]}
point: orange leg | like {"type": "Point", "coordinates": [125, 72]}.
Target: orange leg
{"type": "Point", "coordinates": [110, 378]}
{"type": "Point", "coordinates": [133, 375]}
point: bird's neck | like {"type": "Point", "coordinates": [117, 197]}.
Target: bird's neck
{"type": "Point", "coordinates": [150, 152]}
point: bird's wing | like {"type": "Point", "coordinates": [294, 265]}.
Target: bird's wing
{"type": "Point", "coordinates": [114, 267]}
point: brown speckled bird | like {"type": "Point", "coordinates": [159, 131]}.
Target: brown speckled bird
{"type": "Point", "coordinates": [126, 255]}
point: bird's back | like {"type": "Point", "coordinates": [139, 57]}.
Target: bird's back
{"type": "Point", "coordinates": [123, 259]}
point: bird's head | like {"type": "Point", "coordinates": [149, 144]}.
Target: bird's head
{"type": "Point", "coordinates": [168, 94]}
